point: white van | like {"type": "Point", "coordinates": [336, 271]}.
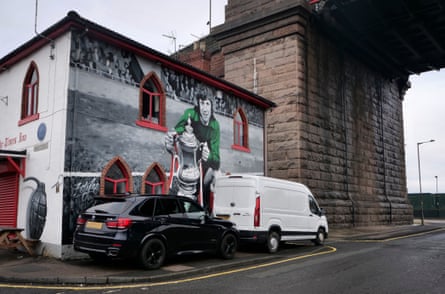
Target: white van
{"type": "Point", "coordinates": [268, 210]}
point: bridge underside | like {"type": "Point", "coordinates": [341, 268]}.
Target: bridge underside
{"type": "Point", "coordinates": [399, 37]}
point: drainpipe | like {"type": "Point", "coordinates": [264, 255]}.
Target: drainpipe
{"type": "Point", "coordinates": [53, 45]}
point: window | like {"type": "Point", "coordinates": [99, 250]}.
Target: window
{"type": "Point", "coordinates": [313, 205]}
{"type": "Point", "coordinates": [116, 178]}
{"type": "Point", "coordinates": [147, 208]}
{"type": "Point", "coordinates": [151, 103]}
{"type": "Point", "coordinates": [240, 131]}
{"type": "Point", "coordinates": [192, 210]}
{"type": "Point", "coordinates": [30, 95]}
{"type": "Point", "coordinates": [167, 207]}
{"type": "Point", "coordinates": [153, 181]}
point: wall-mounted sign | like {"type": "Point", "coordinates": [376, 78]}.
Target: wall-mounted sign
{"type": "Point", "coordinates": [8, 141]}
{"type": "Point", "coordinates": [41, 132]}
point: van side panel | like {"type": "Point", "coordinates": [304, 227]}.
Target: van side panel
{"type": "Point", "coordinates": [284, 206]}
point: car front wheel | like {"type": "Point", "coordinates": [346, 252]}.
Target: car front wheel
{"type": "Point", "coordinates": [228, 246]}
{"type": "Point", "coordinates": [152, 255]}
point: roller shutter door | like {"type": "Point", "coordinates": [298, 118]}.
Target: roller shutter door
{"type": "Point", "coordinates": [8, 199]}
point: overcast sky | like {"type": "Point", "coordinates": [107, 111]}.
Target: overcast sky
{"type": "Point", "coordinates": [148, 21]}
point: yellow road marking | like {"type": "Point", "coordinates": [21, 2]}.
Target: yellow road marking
{"type": "Point", "coordinates": [394, 238]}
{"type": "Point", "coordinates": [141, 285]}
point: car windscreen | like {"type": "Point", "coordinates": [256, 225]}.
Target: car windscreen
{"type": "Point", "coordinates": [110, 207]}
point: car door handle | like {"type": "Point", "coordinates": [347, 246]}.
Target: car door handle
{"type": "Point", "coordinates": [162, 220]}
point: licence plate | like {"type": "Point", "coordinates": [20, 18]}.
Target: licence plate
{"type": "Point", "coordinates": [224, 216]}
{"type": "Point", "coordinates": [94, 225]}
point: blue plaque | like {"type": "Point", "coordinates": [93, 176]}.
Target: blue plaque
{"type": "Point", "coordinates": [41, 131]}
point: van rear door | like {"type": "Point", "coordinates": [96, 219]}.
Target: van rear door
{"type": "Point", "coordinates": [235, 200]}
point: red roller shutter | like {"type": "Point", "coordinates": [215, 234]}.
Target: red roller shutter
{"type": "Point", "coordinates": [8, 199]}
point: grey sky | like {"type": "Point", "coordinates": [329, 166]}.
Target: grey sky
{"type": "Point", "coordinates": [146, 21]}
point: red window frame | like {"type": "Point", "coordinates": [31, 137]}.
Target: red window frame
{"type": "Point", "coordinates": [126, 178]}
{"type": "Point", "coordinates": [156, 168]}
{"type": "Point", "coordinates": [116, 182]}
{"type": "Point", "coordinates": [240, 131]}
{"type": "Point", "coordinates": [30, 95]}
{"type": "Point", "coordinates": [144, 94]}
{"type": "Point", "coordinates": [153, 186]}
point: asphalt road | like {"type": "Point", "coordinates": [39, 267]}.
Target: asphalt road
{"type": "Point", "coordinates": [405, 265]}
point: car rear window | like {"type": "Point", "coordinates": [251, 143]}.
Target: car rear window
{"type": "Point", "coordinates": [110, 207]}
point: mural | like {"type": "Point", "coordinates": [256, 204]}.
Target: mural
{"type": "Point", "coordinates": [186, 89]}
{"type": "Point", "coordinates": [37, 209]}
{"type": "Point", "coordinates": [78, 195]}
{"type": "Point", "coordinates": [195, 148]}
{"type": "Point", "coordinates": [99, 57]}
{"type": "Point", "coordinates": [101, 126]}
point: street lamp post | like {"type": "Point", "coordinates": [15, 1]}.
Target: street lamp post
{"type": "Point", "coordinates": [420, 178]}
{"type": "Point", "coordinates": [437, 184]}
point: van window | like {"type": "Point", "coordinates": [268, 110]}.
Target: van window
{"type": "Point", "coordinates": [313, 205]}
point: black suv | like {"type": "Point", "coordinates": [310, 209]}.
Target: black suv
{"type": "Point", "coordinates": [151, 227]}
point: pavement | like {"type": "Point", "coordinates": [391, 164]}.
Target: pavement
{"type": "Point", "coordinates": [20, 268]}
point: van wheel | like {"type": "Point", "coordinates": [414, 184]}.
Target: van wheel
{"type": "Point", "coordinates": [273, 241]}
{"type": "Point", "coordinates": [319, 240]}
{"type": "Point", "coordinates": [152, 254]}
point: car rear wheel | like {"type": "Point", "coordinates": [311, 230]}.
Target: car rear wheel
{"type": "Point", "coordinates": [152, 254]}
{"type": "Point", "coordinates": [228, 246]}
{"type": "Point", "coordinates": [273, 241]}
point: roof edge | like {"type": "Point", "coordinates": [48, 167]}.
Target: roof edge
{"type": "Point", "coordinates": [74, 20]}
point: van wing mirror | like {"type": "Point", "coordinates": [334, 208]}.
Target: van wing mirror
{"type": "Point", "coordinates": [322, 212]}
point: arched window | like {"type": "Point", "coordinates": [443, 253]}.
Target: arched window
{"type": "Point", "coordinates": [154, 180]}
{"type": "Point", "coordinates": [240, 131]}
{"type": "Point", "coordinates": [30, 95]}
{"type": "Point", "coordinates": [151, 103]}
{"type": "Point", "coordinates": [116, 178]}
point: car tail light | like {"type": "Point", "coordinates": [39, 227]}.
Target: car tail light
{"type": "Point", "coordinates": [80, 220]}
{"type": "Point", "coordinates": [120, 223]}
{"type": "Point", "coordinates": [256, 215]}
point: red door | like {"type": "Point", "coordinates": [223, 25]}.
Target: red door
{"type": "Point", "coordinates": [9, 184]}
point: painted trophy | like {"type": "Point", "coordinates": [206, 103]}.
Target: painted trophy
{"type": "Point", "coordinates": [185, 172]}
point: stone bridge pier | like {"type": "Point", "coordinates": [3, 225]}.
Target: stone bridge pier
{"type": "Point", "coordinates": [338, 126]}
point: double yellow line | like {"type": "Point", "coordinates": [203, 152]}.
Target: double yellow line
{"type": "Point", "coordinates": [396, 238]}
{"type": "Point", "coordinates": [329, 250]}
